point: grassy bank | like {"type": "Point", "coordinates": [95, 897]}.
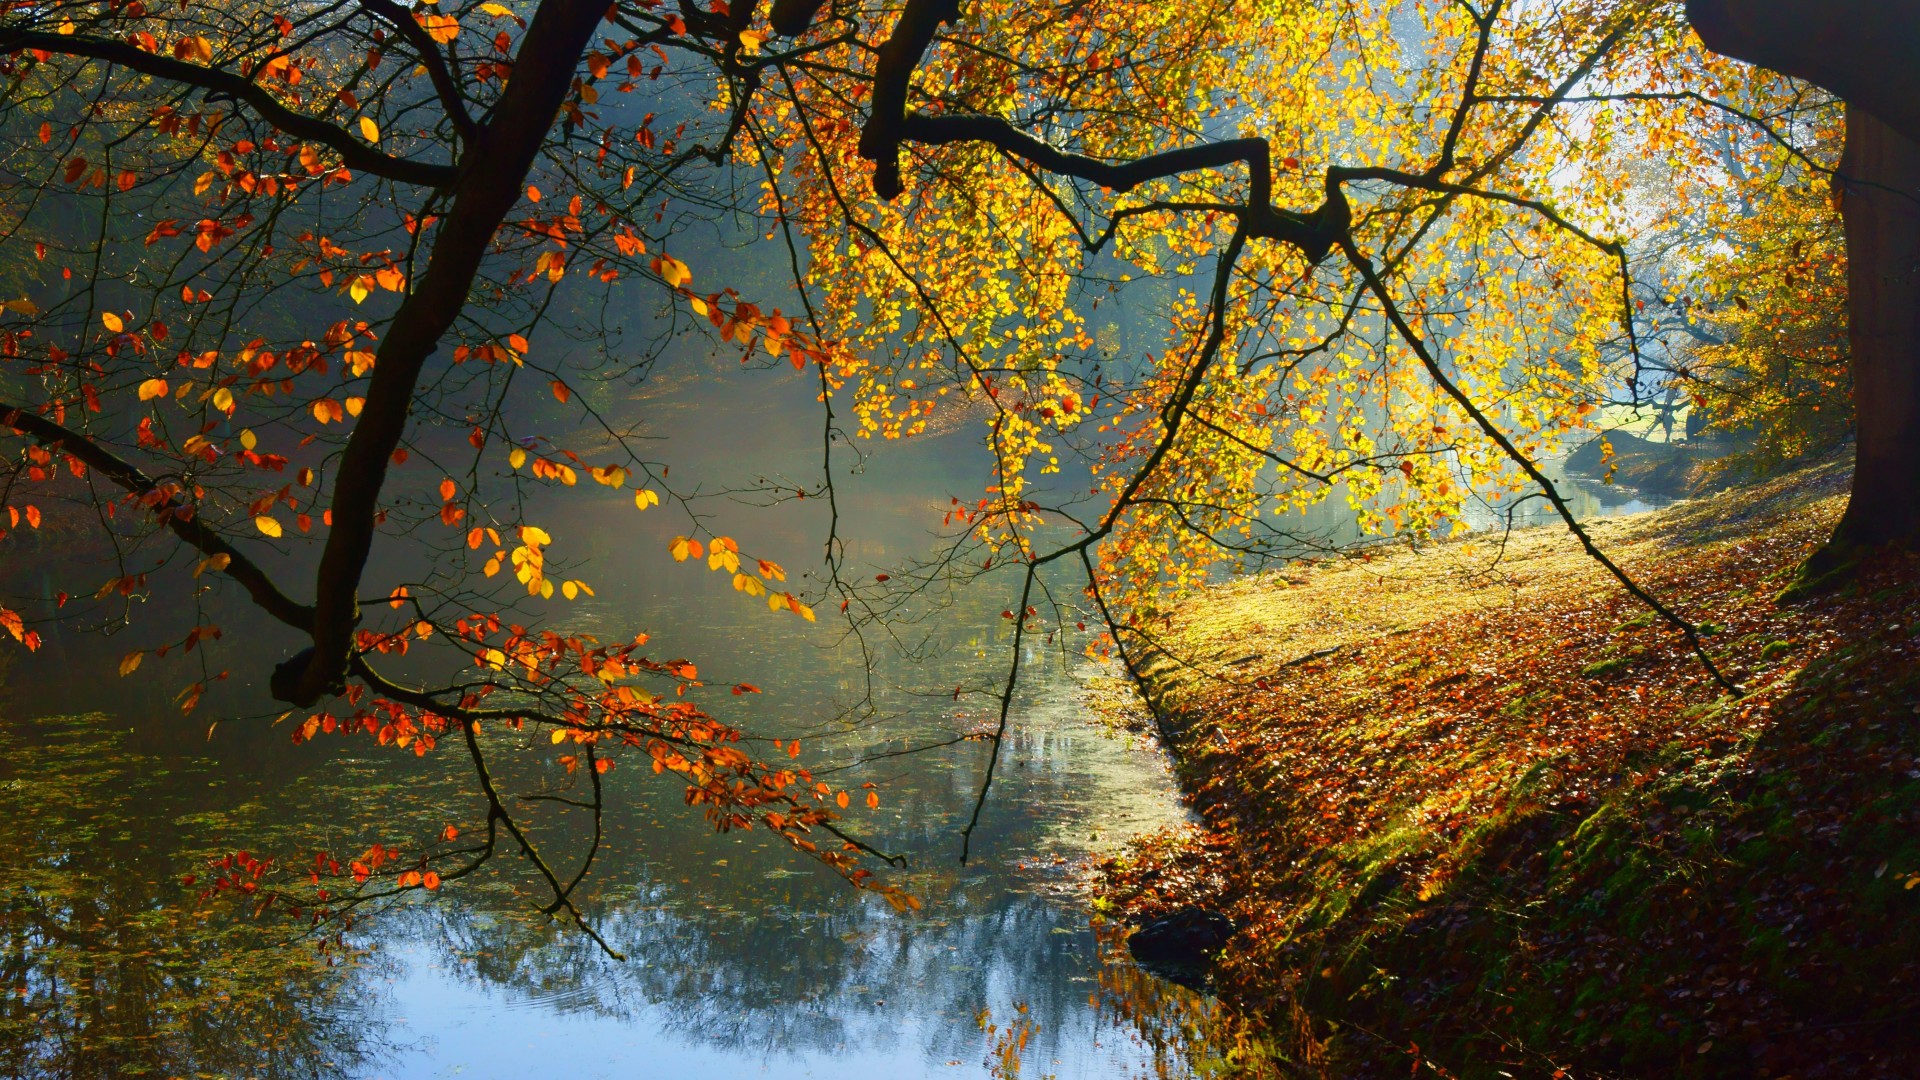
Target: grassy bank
{"type": "Point", "coordinates": [1478, 815]}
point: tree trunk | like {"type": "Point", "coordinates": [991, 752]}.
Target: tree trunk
{"type": "Point", "coordinates": [1880, 201]}
{"type": "Point", "coordinates": [1864, 52]}
{"type": "Point", "coordinates": [1861, 50]}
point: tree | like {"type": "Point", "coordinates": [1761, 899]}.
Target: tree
{"type": "Point", "coordinates": [1331, 278]}
{"type": "Point", "coordinates": [1862, 52]}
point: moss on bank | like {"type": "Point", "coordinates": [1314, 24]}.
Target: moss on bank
{"type": "Point", "coordinates": [1478, 815]}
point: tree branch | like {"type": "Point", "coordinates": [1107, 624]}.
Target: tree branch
{"type": "Point", "coordinates": [170, 511]}
{"type": "Point", "coordinates": [492, 173]}
{"type": "Point", "coordinates": [432, 59]}
{"type": "Point", "coordinates": [353, 153]}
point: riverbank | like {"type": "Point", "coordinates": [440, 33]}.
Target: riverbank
{"type": "Point", "coordinates": [1473, 810]}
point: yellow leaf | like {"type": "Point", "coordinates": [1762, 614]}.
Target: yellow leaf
{"type": "Point", "coordinates": [361, 287]}
{"type": "Point", "coordinates": [223, 400]}
{"type": "Point", "coordinates": [247, 438]}
{"type": "Point", "coordinates": [267, 525]}
{"type": "Point", "coordinates": [680, 548]}
{"type": "Point", "coordinates": [569, 590]}
{"type": "Point", "coordinates": [673, 271]}
{"type": "Point", "coordinates": [534, 535]}
{"type": "Point", "coordinates": [646, 497]}
{"type": "Point", "coordinates": [355, 404]}
{"type": "Point", "coordinates": [213, 562]}
{"type": "Point", "coordinates": [559, 737]}
{"type": "Point", "coordinates": [497, 10]}
{"type": "Point", "coordinates": [370, 129]}
{"type": "Point", "coordinates": [153, 388]}
{"type": "Point", "coordinates": [130, 662]}
{"type": "Point", "coordinates": [517, 458]}
{"type": "Point", "coordinates": [112, 321]}
{"type": "Point", "coordinates": [441, 28]}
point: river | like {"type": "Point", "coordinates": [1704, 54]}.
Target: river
{"type": "Point", "coordinates": [742, 960]}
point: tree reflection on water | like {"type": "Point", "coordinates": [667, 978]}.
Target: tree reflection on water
{"type": "Point", "coordinates": [115, 967]}
{"type": "Point", "coordinates": [111, 968]}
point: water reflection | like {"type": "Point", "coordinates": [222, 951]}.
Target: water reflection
{"type": "Point", "coordinates": [110, 968]}
{"type": "Point", "coordinates": [744, 961]}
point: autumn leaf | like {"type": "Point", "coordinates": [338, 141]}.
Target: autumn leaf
{"type": "Point", "coordinates": [112, 322]}
{"type": "Point", "coordinates": [153, 388]}
{"type": "Point", "coordinates": [672, 271]}
{"type": "Point", "coordinates": [441, 28]}
{"type": "Point", "coordinates": [369, 130]}
{"type": "Point", "coordinates": [267, 525]}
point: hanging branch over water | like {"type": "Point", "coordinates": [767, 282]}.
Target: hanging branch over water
{"type": "Point", "coordinates": [892, 125]}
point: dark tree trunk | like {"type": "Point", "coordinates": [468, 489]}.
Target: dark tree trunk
{"type": "Point", "coordinates": [1861, 50]}
{"type": "Point", "coordinates": [1880, 202]}
{"type": "Point", "coordinates": [1868, 53]}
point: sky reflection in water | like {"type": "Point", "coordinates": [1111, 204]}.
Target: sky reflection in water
{"type": "Point", "coordinates": [744, 961]}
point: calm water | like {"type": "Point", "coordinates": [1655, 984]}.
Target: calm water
{"type": "Point", "coordinates": [744, 961]}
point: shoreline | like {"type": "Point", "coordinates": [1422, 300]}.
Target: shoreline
{"type": "Point", "coordinates": [1468, 798]}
